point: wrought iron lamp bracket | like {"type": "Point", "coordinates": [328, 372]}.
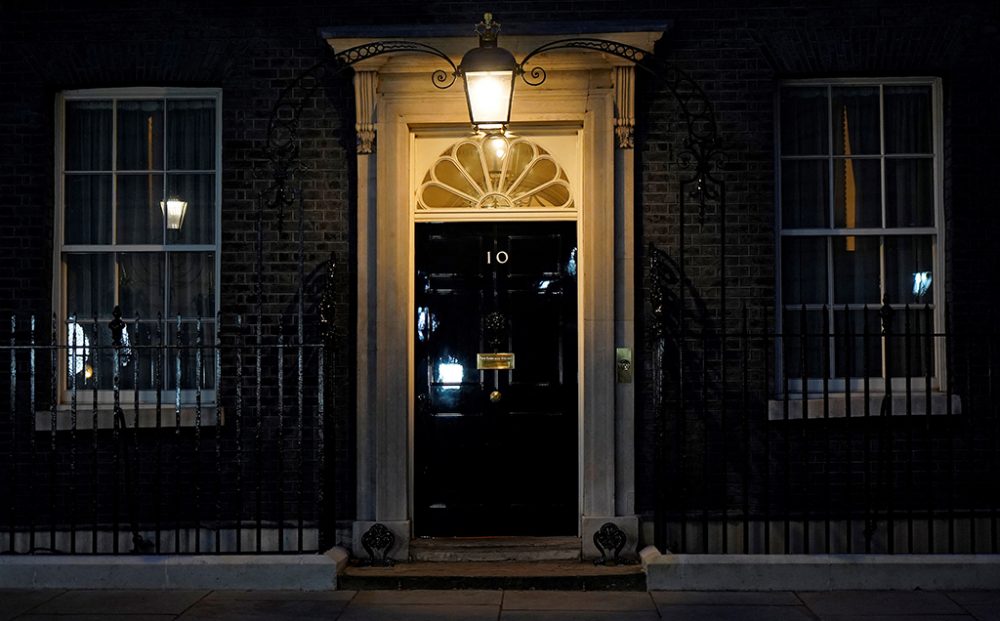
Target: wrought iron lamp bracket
{"type": "Point", "coordinates": [280, 159]}
{"type": "Point", "coordinates": [702, 148]}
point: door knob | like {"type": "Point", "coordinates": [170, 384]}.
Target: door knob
{"type": "Point", "coordinates": [495, 396]}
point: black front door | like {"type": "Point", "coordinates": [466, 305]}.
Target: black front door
{"type": "Point", "coordinates": [496, 448]}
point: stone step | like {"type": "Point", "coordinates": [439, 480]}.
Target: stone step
{"type": "Point", "coordinates": [518, 575]}
{"type": "Point", "coordinates": [458, 549]}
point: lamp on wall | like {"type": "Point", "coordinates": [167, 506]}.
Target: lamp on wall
{"type": "Point", "coordinates": [488, 73]}
{"type": "Point", "coordinates": [174, 209]}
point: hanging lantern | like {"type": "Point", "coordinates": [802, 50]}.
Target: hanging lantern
{"type": "Point", "coordinates": [488, 73]}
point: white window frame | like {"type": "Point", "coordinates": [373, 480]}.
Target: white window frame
{"type": "Point", "coordinates": [815, 386]}
{"type": "Point", "coordinates": [127, 396]}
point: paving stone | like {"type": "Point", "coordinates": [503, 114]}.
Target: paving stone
{"type": "Point", "coordinates": [451, 598]}
{"type": "Point", "coordinates": [871, 603]}
{"type": "Point", "coordinates": [362, 612]}
{"type": "Point", "coordinates": [97, 617]}
{"type": "Point", "coordinates": [570, 600]}
{"type": "Point", "coordinates": [897, 618]}
{"type": "Point", "coordinates": [121, 602]}
{"type": "Point", "coordinates": [578, 615]}
{"type": "Point", "coordinates": [983, 605]}
{"type": "Point", "coordinates": [734, 613]}
{"type": "Point", "coordinates": [727, 598]}
{"type": "Point", "coordinates": [333, 596]}
{"type": "Point", "coordinates": [303, 608]}
{"type": "Point", "coordinates": [14, 602]}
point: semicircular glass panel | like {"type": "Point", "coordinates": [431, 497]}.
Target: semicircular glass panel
{"type": "Point", "coordinates": [495, 173]}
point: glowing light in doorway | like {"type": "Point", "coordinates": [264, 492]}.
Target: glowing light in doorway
{"type": "Point", "coordinates": [451, 374]}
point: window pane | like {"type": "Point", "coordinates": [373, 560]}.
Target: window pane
{"type": "Point", "coordinates": [908, 270]}
{"type": "Point", "coordinates": [805, 192]}
{"type": "Point", "coordinates": [803, 270]}
{"type": "Point", "coordinates": [192, 284]}
{"type": "Point", "coordinates": [906, 345]}
{"type": "Point", "coordinates": [804, 121]}
{"type": "Point", "coordinates": [140, 135]}
{"type": "Point", "coordinates": [909, 192]}
{"type": "Point", "coordinates": [198, 225]}
{"type": "Point", "coordinates": [857, 193]}
{"type": "Point", "coordinates": [191, 134]}
{"type": "Point", "coordinates": [185, 351]}
{"type": "Point", "coordinates": [856, 120]}
{"type": "Point", "coordinates": [908, 119]}
{"type": "Point", "coordinates": [140, 359]}
{"type": "Point", "coordinates": [858, 344]}
{"type": "Point", "coordinates": [88, 135]}
{"type": "Point", "coordinates": [803, 343]}
{"type": "Point", "coordinates": [89, 356]}
{"type": "Point", "coordinates": [855, 270]}
{"type": "Point", "coordinates": [88, 209]}
{"type": "Point", "coordinates": [140, 283]}
{"type": "Point", "coordinates": [90, 285]}
{"type": "Point", "coordinates": [140, 220]}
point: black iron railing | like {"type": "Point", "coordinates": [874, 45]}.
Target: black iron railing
{"type": "Point", "coordinates": [165, 436]}
{"type": "Point", "coordinates": [852, 430]}
{"type": "Point", "coordinates": [867, 430]}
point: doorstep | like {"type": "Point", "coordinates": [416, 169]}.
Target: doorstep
{"type": "Point", "coordinates": [458, 549]}
{"type": "Point", "coordinates": [518, 575]}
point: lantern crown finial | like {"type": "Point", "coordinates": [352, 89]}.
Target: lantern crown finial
{"type": "Point", "coordinates": [488, 73]}
{"type": "Point", "coordinates": [488, 31]}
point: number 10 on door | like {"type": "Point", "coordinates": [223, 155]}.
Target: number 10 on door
{"type": "Point", "coordinates": [500, 257]}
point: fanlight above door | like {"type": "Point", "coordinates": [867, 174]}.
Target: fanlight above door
{"type": "Point", "coordinates": [495, 173]}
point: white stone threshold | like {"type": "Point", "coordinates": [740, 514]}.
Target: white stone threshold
{"type": "Point", "coordinates": [819, 572]}
{"type": "Point", "coordinates": [301, 572]}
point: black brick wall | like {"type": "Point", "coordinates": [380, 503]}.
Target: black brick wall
{"type": "Point", "coordinates": [736, 50]}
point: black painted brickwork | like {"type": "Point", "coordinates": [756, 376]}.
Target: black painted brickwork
{"type": "Point", "coordinates": [736, 50]}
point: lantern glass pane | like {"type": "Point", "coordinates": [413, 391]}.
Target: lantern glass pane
{"type": "Point", "coordinates": [489, 97]}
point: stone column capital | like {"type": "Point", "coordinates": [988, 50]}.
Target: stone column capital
{"type": "Point", "coordinates": [365, 85]}
{"type": "Point", "coordinates": [625, 107]}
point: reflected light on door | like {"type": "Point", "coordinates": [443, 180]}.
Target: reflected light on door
{"type": "Point", "coordinates": [450, 373]}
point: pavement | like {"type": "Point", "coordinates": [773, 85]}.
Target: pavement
{"type": "Point", "coordinates": [138, 605]}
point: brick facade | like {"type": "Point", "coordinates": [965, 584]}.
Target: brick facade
{"type": "Point", "coordinates": [736, 50]}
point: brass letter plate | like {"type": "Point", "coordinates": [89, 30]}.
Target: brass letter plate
{"type": "Point", "coordinates": [495, 362]}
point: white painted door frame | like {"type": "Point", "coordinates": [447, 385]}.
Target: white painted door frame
{"type": "Point", "coordinates": [396, 98]}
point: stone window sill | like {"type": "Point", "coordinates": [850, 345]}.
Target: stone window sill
{"type": "Point", "coordinates": [838, 406]}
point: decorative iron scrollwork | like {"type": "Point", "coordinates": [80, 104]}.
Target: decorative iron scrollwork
{"type": "Point", "coordinates": [378, 539]}
{"type": "Point", "coordinates": [702, 147]}
{"type": "Point", "coordinates": [661, 279]}
{"type": "Point", "coordinates": [279, 160]}
{"type": "Point", "coordinates": [886, 314]}
{"type": "Point", "coordinates": [282, 157]}
{"type": "Point", "coordinates": [328, 304]}
{"type": "Point", "coordinates": [356, 54]}
{"type": "Point", "coordinates": [609, 539]}
{"type": "Point", "coordinates": [117, 327]}
{"type": "Point", "coordinates": [614, 48]}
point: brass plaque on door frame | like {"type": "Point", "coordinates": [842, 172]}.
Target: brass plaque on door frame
{"type": "Point", "coordinates": [495, 362]}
